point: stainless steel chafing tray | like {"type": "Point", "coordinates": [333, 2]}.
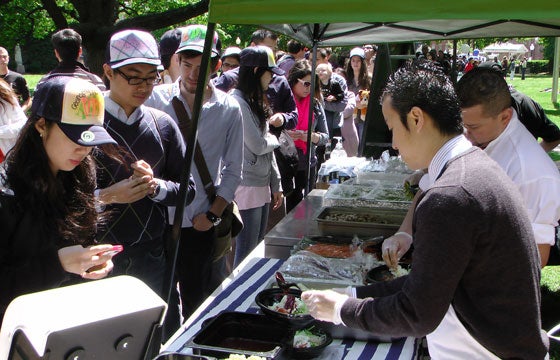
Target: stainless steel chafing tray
{"type": "Point", "coordinates": [374, 221]}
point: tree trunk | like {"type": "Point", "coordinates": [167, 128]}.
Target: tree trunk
{"type": "Point", "coordinates": [98, 23]}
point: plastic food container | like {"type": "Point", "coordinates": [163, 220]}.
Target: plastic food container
{"type": "Point", "coordinates": [360, 221]}
{"type": "Point", "coordinates": [240, 333]}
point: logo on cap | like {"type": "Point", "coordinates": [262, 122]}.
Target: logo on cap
{"type": "Point", "coordinates": [87, 136]}
{"type": "Point", "coordinates": [82, 105]}
{"type": "Point", "coordinates": [193, 33]}
{"type": "Point", "coordinates": [193, 38]}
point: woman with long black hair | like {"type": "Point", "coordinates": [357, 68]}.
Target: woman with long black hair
{"type": "Point", "coordinates": [261, 180]}
{"type": "Point", "coordinates": [48, 213]}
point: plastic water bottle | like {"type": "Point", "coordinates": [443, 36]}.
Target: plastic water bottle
{"type": "Point", "coordinates": [338, 150]}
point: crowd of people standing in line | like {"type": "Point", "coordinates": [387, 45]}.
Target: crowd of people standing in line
{"type": "Point", "coordinates": [108, 154]}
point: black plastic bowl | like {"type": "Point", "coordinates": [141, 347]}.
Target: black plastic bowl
{"type": "Point", "coordinates": [312, 352]}
{"type": "Point", "coordinates": [382, 273]}
{"type": "Point", "coordinates": [267, 297]}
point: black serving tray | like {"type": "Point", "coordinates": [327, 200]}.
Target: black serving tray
{"type": "Point", "coordinates": [240, 333]}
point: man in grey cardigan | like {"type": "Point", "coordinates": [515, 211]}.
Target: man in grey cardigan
{"type": "Point", "coordinates": [473, 294]}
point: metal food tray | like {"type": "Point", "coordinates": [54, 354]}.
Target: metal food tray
{"type": "Point", "coordinates": [346, 191]}
{"type": "Point", "coordinates": [388, 221]}
{"type": "Point", "coordinates": [356, 196]}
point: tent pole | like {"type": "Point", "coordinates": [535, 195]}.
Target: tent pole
{"type": "Point", "coordinates": [311, 107]}
{"type": "Point", "coordinates": [454, 63]}
{"type": "Point", "coordinates": [173, 244]}
{"type": "Point", "coordinates": [555, 70]}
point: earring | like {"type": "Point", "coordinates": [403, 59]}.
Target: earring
{"type": "Point", "coordinates": [40, 134]}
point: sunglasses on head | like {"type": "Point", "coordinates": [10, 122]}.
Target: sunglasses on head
{"type": "Point", "coordinates": [305, 83]}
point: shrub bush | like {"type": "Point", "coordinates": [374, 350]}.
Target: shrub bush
{"type": "Point", "coordinates": [539, 66]}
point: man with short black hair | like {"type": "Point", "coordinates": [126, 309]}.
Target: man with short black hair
{"type": "Point", "coordinates": [296, 51]}
{"type": "Point", "coordinates": [67, 44]}
{"type": "Point", "coordinates": [473, 289]}
{"type": "Point", "coordinates": [530, 113]}
{"type": "Point", "coordinates": [492, 123]}
{"type": "Point", "coordinates": [138, 192]}
{"type": "Point", "coordinates": [168, 44]}
{"type": "Point", "coordinates": [231, 59]}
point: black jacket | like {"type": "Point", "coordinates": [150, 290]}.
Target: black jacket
{"type": "Point", "coordinates": [28, 256]}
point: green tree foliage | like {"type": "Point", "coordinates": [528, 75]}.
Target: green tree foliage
{"type": "Point", "coordinates": [24, 20]}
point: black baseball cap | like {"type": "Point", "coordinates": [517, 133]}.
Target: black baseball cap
{"type": "Point", "coordinates": [259, 56]}
{"type": "Point", "coordinates": [77, 106]}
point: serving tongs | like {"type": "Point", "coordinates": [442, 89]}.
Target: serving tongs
{"type": "Point", "coordinates": [283, 284]}
{"type": "Point", "coordinates": [285, 287]}
{"type": "Point", "coordinates": [371, 241]}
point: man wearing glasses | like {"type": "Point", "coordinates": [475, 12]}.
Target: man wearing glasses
{"type": "Point", "coordinates": [230, 59]}
{"type": "Point", "coordinates": [137, 191]}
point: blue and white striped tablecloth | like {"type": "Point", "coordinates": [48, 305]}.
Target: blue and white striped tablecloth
{"type": "Point", "coordinates": [240, 294]}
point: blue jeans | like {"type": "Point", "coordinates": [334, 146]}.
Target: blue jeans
{"type": "Point", "coordinates": [254, 227]}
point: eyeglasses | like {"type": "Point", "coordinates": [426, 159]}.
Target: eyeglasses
{"type": "Point", "coordinates": [229, 65]}
{"type": "Point", "coordinates": [305, 83]}
{"type": "Point", "coordinates": [138, 80]}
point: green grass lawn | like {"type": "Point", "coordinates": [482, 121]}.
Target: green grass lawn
{"type": "Point", "coordinates": [32, 80]}
{"type": "Point", "coordinates": [535, 86]}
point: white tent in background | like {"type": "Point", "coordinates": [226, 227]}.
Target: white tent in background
{"type": "Point", "coordinates": [506, 48]}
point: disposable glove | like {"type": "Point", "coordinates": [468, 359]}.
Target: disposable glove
{"type": "Point", "coordinates": [394, 247]}
{"type": "Point", "coordinates": [325, 305]}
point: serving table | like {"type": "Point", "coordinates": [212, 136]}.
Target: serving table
{"type": "Point", "coordinates": [238, 294]}
{"type": "Point", "coordinates": [280, 240]}
{"type": "Point", "coordinates": [256, 272]}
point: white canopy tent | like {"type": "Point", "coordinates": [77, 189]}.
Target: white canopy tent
{"type": "Point", "coordinates": [506, 48]}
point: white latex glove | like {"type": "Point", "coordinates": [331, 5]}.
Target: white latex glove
{"type": "Point", "coordinates": [394, 247]}
{"type": "Point", "coordinates": [324, 305]}
{"type": "Point", "coordinates": [349, 290]}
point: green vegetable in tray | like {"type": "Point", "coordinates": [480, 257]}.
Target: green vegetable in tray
{"type": "Point", "coordinates": [366, 218]}
{"type": "Point", "coordinates": [395, 194]}
{"type": "Point", "coordinates": [410, 190]}
{"type": "Point", "coordinates": [308, 338]}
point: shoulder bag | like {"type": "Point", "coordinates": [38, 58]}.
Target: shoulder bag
{"type": "Point", "coordinates": [231, 223]}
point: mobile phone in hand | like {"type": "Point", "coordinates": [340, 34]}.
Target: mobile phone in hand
{"type": "Point", "coordinates": [114, 251]}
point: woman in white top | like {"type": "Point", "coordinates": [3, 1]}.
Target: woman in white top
{"type": "Point", "coordinates": [12, 118]}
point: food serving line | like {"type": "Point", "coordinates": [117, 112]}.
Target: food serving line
{"type": "Point", "coordinates": [256, 273]}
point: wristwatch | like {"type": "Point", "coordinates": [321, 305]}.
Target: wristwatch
{"type": "Point", "coordinates": [156, 191]}
{"type": "Point", "coordinates": [213, 218]}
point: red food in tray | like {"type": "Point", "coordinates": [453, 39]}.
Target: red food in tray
{"type": "Point", "coordinates": [339, 251]}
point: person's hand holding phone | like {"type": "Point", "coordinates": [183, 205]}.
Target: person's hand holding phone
{"type": "Point", "coordinates": [141, 170]}
{"type": "Point", "coordinates": [93, 262]}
